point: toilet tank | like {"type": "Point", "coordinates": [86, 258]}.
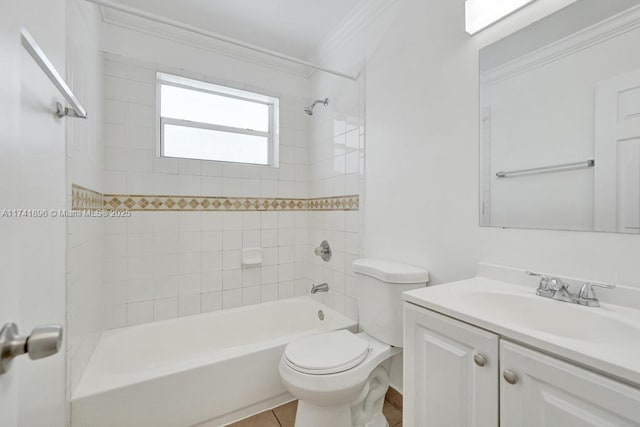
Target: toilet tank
{"type": "Point", "coordinates": [379, 286]}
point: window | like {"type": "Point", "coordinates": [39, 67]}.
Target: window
{"type": "Point", "coordinates": [200, 120]}
{"type": "Point", "coordinates": [482, 13]}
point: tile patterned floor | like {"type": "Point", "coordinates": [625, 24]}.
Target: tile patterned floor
{"type": "Point", "coordinates": [285, 415]}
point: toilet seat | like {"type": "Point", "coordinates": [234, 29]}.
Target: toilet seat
{"type": "Point", "coordinates": [326, 353]}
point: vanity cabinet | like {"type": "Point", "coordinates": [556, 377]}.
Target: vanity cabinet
{"type": "Point", "coordinates": [451, 372]}
{"type": "Point", "coordinates": [456, 374]}
{"type": "Point", "coordinates": [551, 392]}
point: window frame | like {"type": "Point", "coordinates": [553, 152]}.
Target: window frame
{"type": "Point", "coordinates": [273, 103]}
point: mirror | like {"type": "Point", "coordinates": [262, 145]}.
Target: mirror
{"type": "Point", "coordinates": [560, 122]}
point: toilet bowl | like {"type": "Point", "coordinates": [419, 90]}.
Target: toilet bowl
{"type": "Point", "coordinates": [328, 373]}
{"type": "Point", "coordinates": [340, 378]}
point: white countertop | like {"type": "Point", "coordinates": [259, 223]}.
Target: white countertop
{"type": "Point", "coordinates": [604, 339]}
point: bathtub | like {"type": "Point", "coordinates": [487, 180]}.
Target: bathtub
{"type": "Point", "coordinates": [205, 370]}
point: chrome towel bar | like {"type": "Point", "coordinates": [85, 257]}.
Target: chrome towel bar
{"type": "Point", "coordinates": [565, 166]}
{"type": "Point", "coordinates": [76, 110]}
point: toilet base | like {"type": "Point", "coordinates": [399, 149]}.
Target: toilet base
{"type": "Point", "coordinates": [310, 415]}
{"type": "Point", "coordinates": [378, 421]}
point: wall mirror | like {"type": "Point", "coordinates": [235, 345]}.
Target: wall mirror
{"type": "Point", "coordinates": [560, 122]}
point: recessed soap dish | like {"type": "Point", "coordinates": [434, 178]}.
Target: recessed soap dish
{"type": "Point", "coordinates": [251, 257]}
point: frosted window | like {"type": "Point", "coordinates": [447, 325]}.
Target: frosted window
{"type": "Point", "coordinates": [199, 120]}
{"type": "Point", "coordinates": [482, 13]}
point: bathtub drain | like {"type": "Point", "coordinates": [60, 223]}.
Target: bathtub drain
{"type": "Point", "coordinates": [320, 315]}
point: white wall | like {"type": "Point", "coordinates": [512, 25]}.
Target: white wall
{"type": "Point", "coordinates": [423, 153]}
{"type": "Point", "coordinates": [85, 296]}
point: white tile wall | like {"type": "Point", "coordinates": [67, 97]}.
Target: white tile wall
{"type": "Point", "coordinates": [85, 300]}
{"type": "Point", "coordinates": [131, 165]}
{"type": "Point", "coordinates": [160, 265]}
{"type": "Point", "coordinates": [337, 152]}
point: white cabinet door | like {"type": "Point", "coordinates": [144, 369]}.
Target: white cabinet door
{"type": "Point", "coordinates": [550, 392]}
{"type": "Point", "coordinates": [443, 385]}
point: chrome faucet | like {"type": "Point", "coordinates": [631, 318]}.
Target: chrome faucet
{"type": "Point", "coordinates": [323, 287]}
{"type": "Point", "coordinates": [557, 289]}
{"type": "Point", "coordinates": [588, 297]}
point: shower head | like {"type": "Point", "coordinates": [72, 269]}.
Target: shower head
{"type": "Point", "coordinates": [309, 109]}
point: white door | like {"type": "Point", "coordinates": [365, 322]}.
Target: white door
{"type": "Point", "coordinates": [32, 176]}
{"type": "Point", "coordinates": [550, 392]}
{"type": "Point", "coordinates": [617, 154]}
{"type": "Point", "coordinates": [450, 372]}
{"type": "Point", "coordinates": [9, 130]}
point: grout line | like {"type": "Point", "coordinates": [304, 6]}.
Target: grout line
{"type": "Point", "coordinates": [276, 417]}
{"type": "Point", "coordinates": [392, 404]}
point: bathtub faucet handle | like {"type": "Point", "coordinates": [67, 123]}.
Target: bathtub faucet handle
{"type": "Point", "coordinates": [323, 287]}
{"type": "Point", "coordinates": [323, 251]}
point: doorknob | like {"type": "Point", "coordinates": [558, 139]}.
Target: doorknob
{"type": "Point", "coordinates": [44, 341]}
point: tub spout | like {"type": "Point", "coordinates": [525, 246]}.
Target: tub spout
{"type": "Point", "coordinates": [323, 287]}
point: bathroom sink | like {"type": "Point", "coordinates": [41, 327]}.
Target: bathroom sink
{"type": "Point", "coordinates": [595, 325]}
{"type": "Point", "coordinates": [606, 338]}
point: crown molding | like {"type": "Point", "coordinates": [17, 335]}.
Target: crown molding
{"type": "Point", "coordinates": [134, 23]}
{"type": "Point", "coordinates": [610, 28]}
{"type": "Point", "coordinates": [361, 16]}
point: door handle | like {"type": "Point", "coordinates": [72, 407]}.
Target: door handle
{"type": "Point", "coordinates": [44, 341]}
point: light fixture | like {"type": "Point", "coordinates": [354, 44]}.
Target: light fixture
{"type": "Point", "coordinates": [481, 14]}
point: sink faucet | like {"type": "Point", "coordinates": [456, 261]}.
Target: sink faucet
{"type": "Point", "coordinates": [323, 287]}
{"type": "Point", "coordinates": [588, 297]}
{"type": "Point", "coordinates": [557, 289]}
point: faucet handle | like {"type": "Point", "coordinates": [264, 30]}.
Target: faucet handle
{"type": "Point", "coordinates": [544, 279]}
{"type": "Point", "coordinates": [587, 292]}
{"type": "Point", "coordinates": [533, 273]}
{"type": "Point", "coordinates": [556, 284]}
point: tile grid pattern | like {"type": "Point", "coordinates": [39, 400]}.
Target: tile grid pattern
{"type": "Point", "coordinates": [84, 289]}
{"type": "Point", "coordinates": [164, 264]}
{"type": "Point", "coordinates": [337, 147]}
{"type": "Point", "coordinates": [161, 265]}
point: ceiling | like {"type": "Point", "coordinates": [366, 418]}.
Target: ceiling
{"type": "Point", "coordinates": [293, 27]}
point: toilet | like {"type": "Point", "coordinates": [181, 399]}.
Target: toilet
{"type": "Point", "coordinates": [340, 378]}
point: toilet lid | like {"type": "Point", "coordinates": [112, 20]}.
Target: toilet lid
{"type": "Point", "coordinates": [326, 353]}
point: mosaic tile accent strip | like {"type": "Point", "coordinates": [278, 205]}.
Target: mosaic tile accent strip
{"type": "Point", "coordinates": [225, 204]}
{"type": "Point", "coordinates": [85, 199]}
{"type": "Point", "coordinates": [341, 203]}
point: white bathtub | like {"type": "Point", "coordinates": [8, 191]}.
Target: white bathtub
{"type": "Point", "coordinates": [208, 369]}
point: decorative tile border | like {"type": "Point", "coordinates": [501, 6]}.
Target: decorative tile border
{"type": "Point", "coordinates": [340, 203]}
{"type": "Point", "coordinates": [225, 204]}
{"type": "Point", "coordinates": [199, 203]}
{"type": "Point", "coordinates": [85, 199]}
